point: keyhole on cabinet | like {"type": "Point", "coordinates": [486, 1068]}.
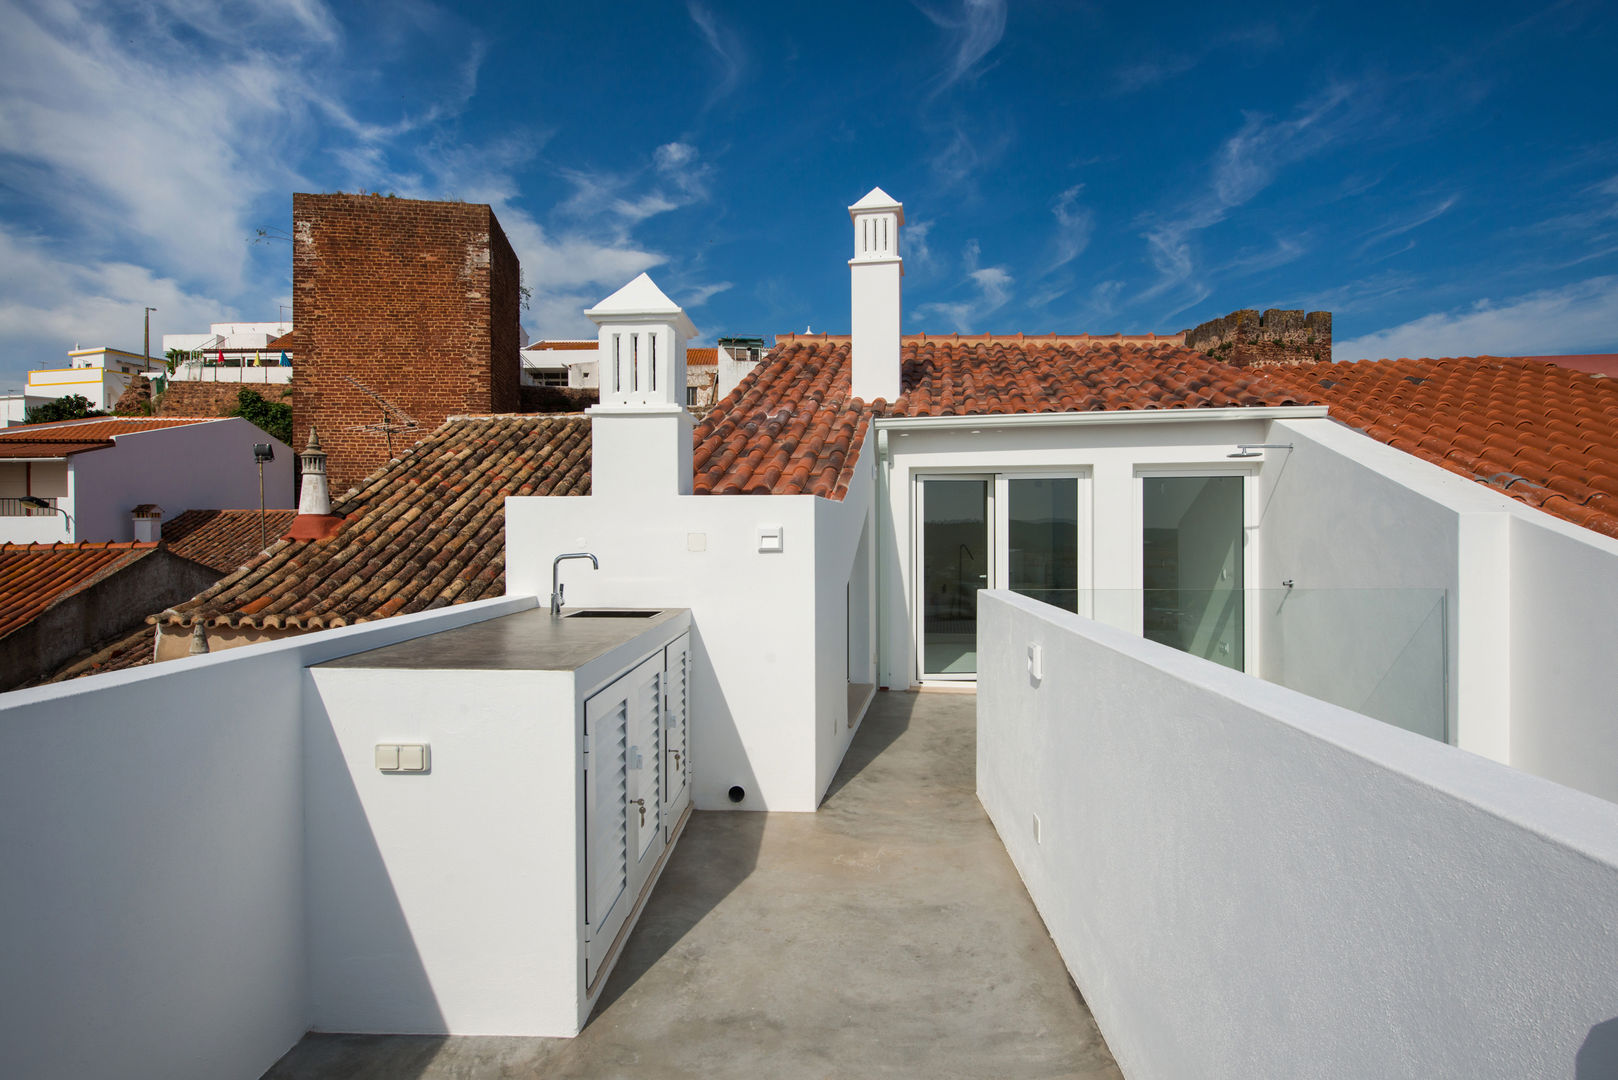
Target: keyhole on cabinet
{"type": "Point", "coordinates": [642, 804]}
{"type": "Point", "coordinates": [676, 754]}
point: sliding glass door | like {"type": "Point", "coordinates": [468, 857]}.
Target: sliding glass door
{"type": "Point", "coordinates": [1010, 531]}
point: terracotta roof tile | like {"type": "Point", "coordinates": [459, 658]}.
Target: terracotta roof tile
{"type": "Point", "coordinates": [1539, 432]}
{"type": "Point", "coordinates": [223, 540]}
{"type": "Point", "coordinates": [1544, 434]}
{"type": "Point", "coordinates": [792, 426]}
{"type": "Point", "coordinates": [708, 357]}
{"type": "Point", "coordinates": [33, 577]}
{"type": "Point", "coordinates": [65, 437]}
{"type": "Point", "coordinates": [425, 531]}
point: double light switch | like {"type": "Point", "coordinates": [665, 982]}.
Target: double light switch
{"type": "Point", "coordinates": [401, 757]}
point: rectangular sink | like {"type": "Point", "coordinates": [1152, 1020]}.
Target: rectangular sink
{"type": "Point", "coordinates": [612, 613]}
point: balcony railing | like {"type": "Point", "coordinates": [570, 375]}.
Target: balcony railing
{"type": "Point", "coordinates": [12, 508]}
{"type": "Point", "coordinates": [232, 371]}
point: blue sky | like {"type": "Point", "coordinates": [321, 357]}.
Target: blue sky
{"type": "Point", "coordinates": [1444, 179]}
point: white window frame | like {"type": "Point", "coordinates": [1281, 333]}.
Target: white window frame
{"type": "Point", "coordinates": [1250, 542]}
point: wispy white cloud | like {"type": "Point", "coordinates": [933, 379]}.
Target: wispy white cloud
{"type": "Point", "coordinates": [1246, 163]}
{"type": "Point", "coordinates": [131, 152]}
{"type": "Point", "coordinates": [1163, 65]}
{"type": "Point", "coordinates": [973, 29]}
{"type": "Point", "coordinates": [697, 295]}
{"type": "Point", "coordinates": [52, 301]}
{"type": "Point", "coordinates": [1407, 224]}
{"type": "Point", "coordinates": [131, 144]}
{"type": "Point", "coordinates": [1581, 317]}
{"type": "Point", "coordinates": [991, 286]}
{"type": "Point", "coordinates": [958, 162]}
{"type": "Point", "coordinates": [727, 46]}
{"type": "Point", "coordinates": [918, 254]}
{"type": "Point", "coordinates": [1283, 250]}
{"type": "Point", "coordinates": [1074, 224]}
{"type": "Point", "coordinates": [1595, 214]}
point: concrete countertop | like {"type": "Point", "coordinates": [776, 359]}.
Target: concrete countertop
{"type": "Point", "coordinates": [526, 641]}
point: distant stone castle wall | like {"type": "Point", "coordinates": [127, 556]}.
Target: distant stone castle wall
{"type": "Point", "coordinates": [214, 399]}
{"type": "Point", "coordinates": [1247, 339]}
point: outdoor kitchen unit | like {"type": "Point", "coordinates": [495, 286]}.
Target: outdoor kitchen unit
{"type": "Point", "coordinates": [520, 783]}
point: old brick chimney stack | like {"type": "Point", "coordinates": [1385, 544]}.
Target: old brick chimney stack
{"type": "Point", "coordinates": [407, 314]}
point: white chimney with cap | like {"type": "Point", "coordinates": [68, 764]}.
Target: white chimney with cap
{"type": "Point", "coordinates": [641, 432]}
{"type": "Point", "coordinates": [314, 497]}
{"type": "Point", "coordinates": [875, 272]}
{"type": "Point", "coordinates": [147, 522]}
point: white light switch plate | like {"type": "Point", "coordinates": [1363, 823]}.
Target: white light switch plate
{"type": "Point", "coordinates": [402, 757]}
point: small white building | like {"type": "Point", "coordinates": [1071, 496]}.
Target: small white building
{"type": "Point", "coordinates": [14, 407]}
{"type": "Point", "coordinates": [82, 479]}
{"type": "Point", "coordinates": [244, 352]}
{"type": "Point", "coordinates": [233, 338]}
{"type": "Point", "coordinates": [100, 375]}
{"type": "Point", "coordinates": [573, 363]}
{"type": "Point", "coordinates": [559, 362]}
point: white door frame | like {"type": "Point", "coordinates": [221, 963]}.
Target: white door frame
{"type": "Point", "coordinates": [918, 478]}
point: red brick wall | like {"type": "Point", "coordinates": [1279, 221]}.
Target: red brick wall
{"type": "Point", "coordinates": [413, 303]}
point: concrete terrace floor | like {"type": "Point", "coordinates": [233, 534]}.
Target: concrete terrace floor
{"type": "Point", "coordinates": [887, 935]}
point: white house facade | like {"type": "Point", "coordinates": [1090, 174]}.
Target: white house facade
{"type": "Point", "coordinates": [91, 474]}
{"type": "Point", "coordinates": [99, 375]}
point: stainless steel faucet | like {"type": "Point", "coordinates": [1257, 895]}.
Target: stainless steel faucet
{"type": "Point", "coordinates": [556, 583]}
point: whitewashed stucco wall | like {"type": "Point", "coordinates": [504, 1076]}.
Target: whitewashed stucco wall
{"type": "Point", "coordinates": [1564, 643]}
{"type": "Point", "coordinates": [1246, 882]}
{"type": "Point", "coordinates": [151, 829]}
{"type": "Point", "coordinates": [1107, 453]}
{"type": "Point", "coordinates": [192, 467]}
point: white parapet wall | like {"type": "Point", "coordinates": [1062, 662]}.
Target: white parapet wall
{"type": "Point", "coordinates": [1247, 882]}
{"type": "Point", "coordinates": [1530, 598]}
{"type": "Point", "coordinates": [152, 829]}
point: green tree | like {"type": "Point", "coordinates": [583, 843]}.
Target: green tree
{"type": "Point", "coordinates": [274, 418]}
{"type": "Point", "coordinates": [176, 357]}
{"type": "Point", "coordinates": [73, 407]}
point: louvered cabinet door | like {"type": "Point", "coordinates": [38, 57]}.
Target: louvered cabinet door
{"type": "Point", "coordinates": [645, 769]}
{"type": "Point", "coordinates": [607, 896]}
{"type": "Point", "coordinates": [676, 733]}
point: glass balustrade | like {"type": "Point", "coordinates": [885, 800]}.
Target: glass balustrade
{"type": "Point", "coordinates": [1380, 652]}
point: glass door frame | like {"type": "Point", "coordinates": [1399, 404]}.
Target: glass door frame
{"type": "Point", "coordinates": [1251, 514]}
{"type": "Point", "coordinates": [1000, 567]}
{"type": "Point", "coordinates": [999, 529]}
{"type": "Point", "coordinates": [918, 605]}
